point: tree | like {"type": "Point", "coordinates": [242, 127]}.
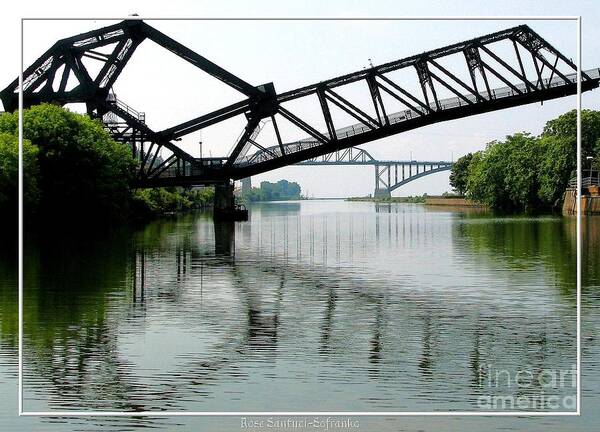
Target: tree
{"type": "Point", "coordinates": [9, 171]}
{"type": "Point", "coordinates": [280, 191]}
{"type": "Point", "coordinates": [565, 126]}
{"type": "Point", "coordinates": [526, 173]}
{"type": "Point", "coordinates": [460, 173]}
{"type": "Point", "coordinates": [84, 175]}
{"type": "Point", "coordinates": [504, 176]}
{"type": "Point", "coordinates": [484, 184]}
{"type": "Point", "coordinates": [557, 162]}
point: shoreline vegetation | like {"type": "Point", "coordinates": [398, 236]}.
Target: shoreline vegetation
{"type": "Point", "coordinates": [149, 203]}
{"type": "Point", "coordinates": [283, 190]}
{"type": "Point", "coordinates": [409, 199]}
{"type": "Point", "coordinates": [76, 174]}
{"type": "Point", "coordinates": [434, 200]}
{"type": "Point", "coordinates": [526, 173]}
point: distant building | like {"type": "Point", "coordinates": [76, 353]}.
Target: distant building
{"type": "Point", "coordinates": [246, 184]}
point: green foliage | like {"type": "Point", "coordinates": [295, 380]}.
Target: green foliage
{"type": "Point", "coordinates": [559, 159]}
{"type": "Point", "coordinates": [158, 200]}
{"type": "Point", "coordinates": [9, 171]}
{"type": "Point", "coordinates": [526, 173]}
{"type": "Point", "coordinates": [559, 143]}
{"type": "Point", "coordinates": [281, 191]}
{"type": "Point", "coordinates": [201, 198]}
{"type": "Point", "coordinates": [459, 174]}
{"type": "Point", "coordinates": [75, 171]}
{"type": "Point", "coordinates": [565, 126]}
{"type": "Point", "coordinates": [152, 202]}
{"type": "Point", "coordinates": [504, 176]}
{"type": "Point", "coordinates": [82, 171]}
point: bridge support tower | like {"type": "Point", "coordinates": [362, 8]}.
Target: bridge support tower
{"type": "Point", "coordinates": [382, 193]}
{"type": "Point", "coordinates": [224, 207]}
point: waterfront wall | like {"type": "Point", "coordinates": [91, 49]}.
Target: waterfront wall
{"type": "Point", "coordinates": [590, 202]}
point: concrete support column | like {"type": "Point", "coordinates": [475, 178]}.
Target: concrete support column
{"type": "Point", "coordinates": [224, 199]}
{"type": "Point", "coordinates": [382, 193]}
{"type": "Point", "coordinates": [224, 206]}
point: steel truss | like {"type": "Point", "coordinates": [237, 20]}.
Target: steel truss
{"type": "Point", "coordinates": [540, 72]}
{"type": "Point", "coordinates": [389, 175]}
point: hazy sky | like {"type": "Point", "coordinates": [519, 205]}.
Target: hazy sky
{"type": "Point", "coordinates": [296, 53]}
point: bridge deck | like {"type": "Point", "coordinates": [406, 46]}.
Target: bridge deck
{"type": "Point", "coordinates": [356, 129]}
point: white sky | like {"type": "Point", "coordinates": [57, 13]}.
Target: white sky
{"type": "Point", "coordinates": [292, 54]}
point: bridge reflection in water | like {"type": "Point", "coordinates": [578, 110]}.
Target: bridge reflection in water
{"type": "Point", "coordinates": [403, 304]}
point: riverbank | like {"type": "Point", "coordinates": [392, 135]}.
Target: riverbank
{"type": "Point", "coordinates": [151, 203]}
{"type": "Point", "coordinates": [409, 199]}
{"type": "Point", "coordinates": [454, 201]}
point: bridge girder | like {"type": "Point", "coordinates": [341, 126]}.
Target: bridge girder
{"type": "Point", "coordinates": [349, 156]}
{"type": "Point", "coordinates": [548, 75]}
{"type": "Point", "coordinates": [390, 175]}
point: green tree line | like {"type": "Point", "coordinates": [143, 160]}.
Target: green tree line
{"type": "Point", "coordinates": [283, 190]}
{"type": "Point", "coordinates": [74, 172]}
{"type": "Point", "coordinates": [526, 173]}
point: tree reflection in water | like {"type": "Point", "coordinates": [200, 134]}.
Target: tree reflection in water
{"type": "Point", "coordinates": [243, 306]}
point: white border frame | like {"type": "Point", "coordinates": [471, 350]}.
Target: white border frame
{"type": "Point", "coordinates": [75, 413]}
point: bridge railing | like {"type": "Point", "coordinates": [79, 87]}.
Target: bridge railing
{"type": "Point", "coordinates": [113, 100]}
{"type": "Point", "coordinates": [275, 151]}
{"type": "Point", "coordinates": [401, 116]}
{"type": "Point", "coordinates": [456, 102]}
{"type": "Point", "coordinates": [588, 178]}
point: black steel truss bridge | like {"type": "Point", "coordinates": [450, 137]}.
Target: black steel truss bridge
{"type": "Point", "coordinates": [504, 69]}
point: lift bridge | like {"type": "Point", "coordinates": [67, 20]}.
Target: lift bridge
{"type": "Point", "coordinates": [500, 70]}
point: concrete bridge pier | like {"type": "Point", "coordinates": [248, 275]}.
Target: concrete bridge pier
{"type": "Point", "coordinates": [224, 199]}
{"type": "Point", "coordinates": [382, 193]}
{"type": "Point", "coordinates": [224, 207]}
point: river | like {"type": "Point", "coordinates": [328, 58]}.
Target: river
{"type": "Point", "coordinates": [309, 306]}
